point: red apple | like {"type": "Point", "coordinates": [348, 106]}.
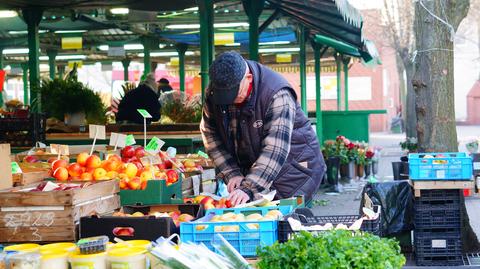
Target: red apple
{"type": "Point", "coordinates": [75, 170]}
{"type": "Point", "coordinates": [99, 174]}
{"type": "Point", "coordinates": [93, 162]}
{"type": "Point", "coordinates": [140, 152]}
{"type": "Point", "coordinates": [161, 166]}
{"type": "Point", "coordinates": [59, 163]}
{"type": "Point", "coordinates": [123, 184]}
{"type": "Point", "coordinates": [61, 174]}
{"type": "Point", "coordinates": [172, 176]}
{"type": "Point", "coordinates": [86, 176]}
{"type": "Point", "coordinates": [128, 151]}
{"type": "Point", "coordinates": [82, 158]}
{"type": "Point", "coordinates": [30, 159]}
{"type": "Point", "coordinates": [114, 157]}
{"type": "Point", "coordinates": [135, 183]}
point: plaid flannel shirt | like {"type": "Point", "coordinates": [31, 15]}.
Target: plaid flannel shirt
{"type": "Point", "coordinates": [278, 125]}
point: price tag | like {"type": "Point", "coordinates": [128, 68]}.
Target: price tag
{"type": "Point", "coordinates": [202, 154]}
{"type": "Point", "coordinates": [96, 131]}
{"type": "Point", "coordinates": [144, 113]}
{"type": "Point", "coordinates": [154, 145]}
{"type": "Point", "coordinates": [117, 140]}
{"type": "Point", "coordinates": [16, 168]}
{"type": "Point", "coordinates": [130, 140]}
{"type": "Point", "coordinates": [151, 159]}
{"type": "Point", "coordinates": [59, 149]}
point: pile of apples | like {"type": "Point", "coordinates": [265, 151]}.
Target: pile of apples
{"type": "Point", "coordinates": [208, 202]}
{"type": "Point", "coordinates": [133, 175]}
{"type": "Point", "coordinates": [176, 216]}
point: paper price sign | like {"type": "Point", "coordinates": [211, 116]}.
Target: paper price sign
{"type": "Point", "coordinates": [96, 131]}
{"type": "Point", "coordinates": [16, 168]}
{"type": "Point", "coordinates": [59, 149]}
{"type": "Point", "coordinates": [130, 140]}
{"type": "Point", "coordinates": [154, 145]}
{"type": "Point", "coordinates": [144, 113]}
{"type": "Point", "coordinates": [151, 160]}
{"type": "Point", "coordinates": [118, 140]}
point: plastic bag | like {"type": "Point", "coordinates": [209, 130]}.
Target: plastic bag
{"type": "Point", "coordinates": [396, 200]}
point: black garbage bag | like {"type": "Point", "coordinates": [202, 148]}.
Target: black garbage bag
{"type": "Point", "coordinates": [396, 199]}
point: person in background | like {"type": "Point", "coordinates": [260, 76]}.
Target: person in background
{"type": "Point", "coordinates": [256, 132]}
{"type": "Point", "coordinates": [145, 96]}
{"type": "Point", "coordinates": [164, 85]}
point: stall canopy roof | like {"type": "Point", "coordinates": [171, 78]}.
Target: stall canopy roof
{"type": "Point", "coordinates": [147, 5]}
{"type": "Point", "coordinates": [332, 23]}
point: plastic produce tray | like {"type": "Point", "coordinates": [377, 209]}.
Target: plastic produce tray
{"type": "Point", "coordinates": [454, 166]}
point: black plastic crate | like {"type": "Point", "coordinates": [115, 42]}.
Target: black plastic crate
{"type": "Point", "coordinates": [285, 232]}
{"type": "Point", "coordinates": [439, 195]}
{"type": "Point", "coordinates": [451, 260]}
{"type": "Point", "coordinates": [130, 228]}
{"type": "Point", "coordinates": [23, 131]}
{"type": "Point", "coordinates": [438, 242]}
{"type": "Point", "coordinates": [437, 218]}
{"type": "Point", "coordinates": [437, 205]}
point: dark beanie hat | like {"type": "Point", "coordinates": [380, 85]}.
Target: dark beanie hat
{"type": "Point", "coordinates": [226, 73]}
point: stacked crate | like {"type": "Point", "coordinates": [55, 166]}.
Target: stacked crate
{"type": "Point", "coordinates": [438, 222]}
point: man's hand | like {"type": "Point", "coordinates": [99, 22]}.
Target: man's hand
{"type": "Point", "coordinates": [234, 183]}
{"type": "Point", "coordinates": [238, 197]}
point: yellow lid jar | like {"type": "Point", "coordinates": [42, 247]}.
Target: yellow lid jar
{"type": "Point", "coordinates": [145, 244]}
{"type": "Point", "coordinates": [88, 261]}
{"type": "Point", "coordinates": [66, 246]}
{"type": "Point", "coordinates": [131, 258]}
{"type": "Point", "coordinates": [54, 259]}
{"type": "Point", "coordinates": [24, 248]}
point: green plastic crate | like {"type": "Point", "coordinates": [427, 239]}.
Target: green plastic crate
{"type": "Point", "coordinates": [156, 192]}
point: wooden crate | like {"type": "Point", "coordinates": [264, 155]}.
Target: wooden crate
{"type": "Point", "coordinates": [52, 216]}
{"type": "Point", "coordinates": [27, 178]}
{"type": "Point", "coordinates": [440, 184]}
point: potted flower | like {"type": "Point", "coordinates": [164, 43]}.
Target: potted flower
{"type": "Point", "coordinates": [332, 161]}
{"type": "Point", "coordinates": [410, 145]}
{"type": "Point", "coordinates": [472, 145]}
{"type": "Point", "coordinates": [348, 153]}
{"type": "Point", "coordinates": [369, 154]}
{"type": "Point", "coordinates": [361, 162]}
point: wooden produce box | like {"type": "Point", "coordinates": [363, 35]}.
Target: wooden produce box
{"type": "Point", "coordinates": [194, 184]}
{"type": "Point", "coordinates": [31, 173]}
{"type": "Point", "coordinates": [52, 216]}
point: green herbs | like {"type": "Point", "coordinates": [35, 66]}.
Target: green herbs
{"type": "Point", "coordinates": [333, 249]}
{"type": "Point", "coordinates": [63, 96]}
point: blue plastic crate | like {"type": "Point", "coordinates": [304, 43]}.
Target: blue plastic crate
{"type": "Point", "coordinates": [245, 240]}
{"type": "Point", "coordinates": [454, 166]}
{"type": "Point", "coordinates": [285, 209]}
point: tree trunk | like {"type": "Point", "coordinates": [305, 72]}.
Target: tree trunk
{"type": "Point", "coordinates": [433, 84]}
{"type": "Point", "coordinates": [410, 110]}
{"type": "Point", "coordinates": [402, 92]}
{"type": "Point", "coordinates": [433, 79]}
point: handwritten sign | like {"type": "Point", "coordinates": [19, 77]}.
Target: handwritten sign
{"type": "Point", "coordinates": [151, 160]}
{"type": "Point", "coordinates": [96, 131]}
{"type": "Point", "coordinates": [154, 145]}
{"type": "Point", "coordinates": [130, 140]}
{"type": "Point", "coordinates": [59, 149]}
{"type": "Point", "coordinates": [117, 140]}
